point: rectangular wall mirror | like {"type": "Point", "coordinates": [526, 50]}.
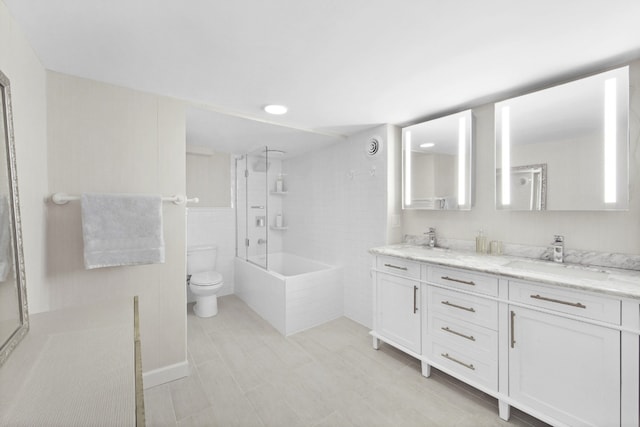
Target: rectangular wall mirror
{"type": "Point", "coordinates": [566, 147]}
{"type": "Point", "coordinates": [437, 163]}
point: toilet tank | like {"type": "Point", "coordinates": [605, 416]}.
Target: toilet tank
{"type": "Point", "coordinates": [201, 258]}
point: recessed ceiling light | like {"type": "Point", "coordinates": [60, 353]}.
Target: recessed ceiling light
{"type": "Point", "coordinates": [275, 109]}
{"type": "Point", "coordinates": [427, 145]}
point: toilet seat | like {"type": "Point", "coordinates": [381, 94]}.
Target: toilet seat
{"type": "Point", "coordinates": [207, 278]}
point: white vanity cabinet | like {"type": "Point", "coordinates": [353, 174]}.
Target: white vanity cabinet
{"type": "Point", "coordinates": [567, 355]}
{"type": "Point", "coordinates": [564, 368]}
{"type": "Point", "coordinates": [563, 362]}
{"type": "Point", "coordinates": [397, 303]}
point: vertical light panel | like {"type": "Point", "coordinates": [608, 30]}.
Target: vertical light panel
{"type": "Point", "coordinates": [462, 161]}
{"type": "Point", "coordinates": [407, 168]}
{"type": "Point", "coordinates": [610, 141]}
{"type": "Point", "coordinates": [506, 156]}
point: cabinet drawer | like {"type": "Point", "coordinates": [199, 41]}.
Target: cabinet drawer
{"type": "Point", "coordinates": [566, 301]}
{"type": "Point", "coordinates": [462, 279]}
{"type": "Point", "coordinates": [398, 266]}
{"type": "Point", "coordinates": [470, 340]}
{"type": "Point", "coordinates": [465, 366]}
{"type": "Point", "coordinates": [470, 308]}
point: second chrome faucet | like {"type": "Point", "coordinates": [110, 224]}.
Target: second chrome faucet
{"type": "Point", "coordinates": [558, 248]}
{"type": "Point", "coordinates": [431, 236]}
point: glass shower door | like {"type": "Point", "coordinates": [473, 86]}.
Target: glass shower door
{"type": "Point", "coordinates": [256, 207]}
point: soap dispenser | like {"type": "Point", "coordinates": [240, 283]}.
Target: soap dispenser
{"type": "Point", "coordinates": [481, 243]}
{"type": "Point", "coordinates": [279, 184]}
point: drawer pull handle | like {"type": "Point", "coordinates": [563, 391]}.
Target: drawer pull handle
{"type": "Point", "coordinates": [572, 304]}
{"type": "Point", "coordinates": [415, 306]}
{"type": "Point", "coordinates": [458, 306]}
{"type": "Point", "coordinates": [466, 365]}
{"type": "Point", "coordinates": [395, 266]}
{"type": "Point", "coordinates": [460, 334]}
{"type": "Point", "coordinates": [465, 282]}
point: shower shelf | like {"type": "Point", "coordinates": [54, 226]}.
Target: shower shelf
{"type": "Point", "coordinates": [273, 227]}
{"type": "Point", "coordinates": [279, 193]}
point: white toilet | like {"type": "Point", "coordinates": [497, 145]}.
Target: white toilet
{"type": "Point", "coordinates": [205, 282]}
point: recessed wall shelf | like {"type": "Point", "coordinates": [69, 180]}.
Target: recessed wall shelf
{"type": "Point", "coordinates": [279, 193]}
{"type": "Point", "coordinates": [273, 227]}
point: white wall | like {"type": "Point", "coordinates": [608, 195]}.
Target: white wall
{"type": "Point", "coordinates": [337, 209]}
{"type": "Point", "coordinates": [600, 231]}
{"type": "Point", "coordinates": [104, 138]}
{"type": "Point", "coordinates": [208, 179]}
{"type": "Point", "coordinates": [28, 95]}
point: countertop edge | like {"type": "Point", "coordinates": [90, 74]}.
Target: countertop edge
{"type": "Point", "coordinates": [454, 259]}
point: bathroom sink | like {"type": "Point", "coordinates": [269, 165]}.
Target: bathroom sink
{"type": "Point", "coordinates": [435, 249]}
{"type": "Point", "coordinates": [573, 271]}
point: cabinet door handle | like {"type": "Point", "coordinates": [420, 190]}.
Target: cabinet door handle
{"type": "Point", "coordinates": [466, 365]}
{"type": "Point", "coordinates": [395, 266]}
{"type": "Point", "coordinates": [572, 304]}
{"type": "Point", "coordinates": [460, 334]}
{"type": "Point", "coordinates": [465, 282]}
{"type": "Point", "coordinates": [470, 309]}
{"type": "Point", "coordinates": [415, 299]}
{"type": "Point", "coordinates": [513, 334]}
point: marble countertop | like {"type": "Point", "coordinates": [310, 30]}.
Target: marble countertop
{"type": "Point", "coordinates": [610, 281]}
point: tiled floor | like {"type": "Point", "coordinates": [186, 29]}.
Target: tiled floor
{"type": "Point", "coordinates": [244, 373]}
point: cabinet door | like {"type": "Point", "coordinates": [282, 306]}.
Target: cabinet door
{"type": "Point", "coordinates": [397, 311]}
{"type": "Point", "coordinates": [565, 368]}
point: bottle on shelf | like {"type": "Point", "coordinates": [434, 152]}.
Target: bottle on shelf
{"type": "Point", "coordinates": [279, 184]}
{"type": "Point", "coordinates": [279, 221]}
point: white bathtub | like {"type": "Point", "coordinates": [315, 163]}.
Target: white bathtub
{"type": "Point", "coordinates": [295, 294]}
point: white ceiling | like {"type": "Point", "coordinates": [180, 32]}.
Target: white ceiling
{"type": "Point", "coordinates": [231, 134]}
{"type": "Point", "coordinates": [339, 65]}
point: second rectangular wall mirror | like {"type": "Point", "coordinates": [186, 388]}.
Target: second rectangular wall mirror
{"type": "Point", "coordinates": [566, 147]}
{"type": "Point", "coordinates": [436, 163]}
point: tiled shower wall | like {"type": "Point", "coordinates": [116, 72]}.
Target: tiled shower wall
{"type": "Point", "coordinates": [336, 210]}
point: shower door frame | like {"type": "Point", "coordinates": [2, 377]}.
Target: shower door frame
{"type": "Point", "coordinates": [263, 151]}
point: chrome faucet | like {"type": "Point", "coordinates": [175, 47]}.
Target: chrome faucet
{"type": "Point", "coordinates": [431, 234]}
{"type": "Point", "coordinates": [558, 248]}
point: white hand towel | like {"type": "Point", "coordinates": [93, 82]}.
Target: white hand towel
{"type": "Point", "coordinates": [122, 229]}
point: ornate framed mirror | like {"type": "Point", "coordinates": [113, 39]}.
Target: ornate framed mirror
{"type": "Point", "coordinates": [14, 316]}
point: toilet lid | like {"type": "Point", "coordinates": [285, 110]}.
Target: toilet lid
{"type": "Point", "coordinates": [206, 278]}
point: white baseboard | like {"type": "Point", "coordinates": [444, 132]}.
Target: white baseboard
{"type": "Point", "coordinates": [165, 374]}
